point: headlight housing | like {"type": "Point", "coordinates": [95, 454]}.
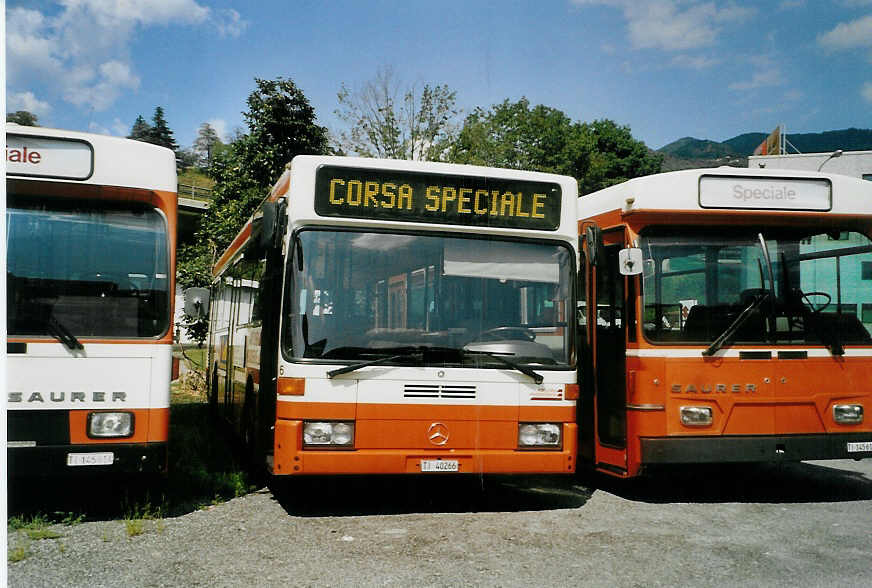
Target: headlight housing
{"type": "Point", "coordinates": [848, 414]}
{"type": "Point", "coordinates": [107, 425]}
{"type": "Point", "coordinates": [540, 435]}
{"type": "Point", "coordinates": [696, 416]}
{"type": "Point", "coordinates": [328, 434]}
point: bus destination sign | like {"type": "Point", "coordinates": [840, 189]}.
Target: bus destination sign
{"type": "Point", "coordinates": [49, 157]}
{"type": "Point", "coordinates": [395, 195]}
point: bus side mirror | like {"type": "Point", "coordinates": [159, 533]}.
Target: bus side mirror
{"type": "Point", "coordinates": [630, 261]}
{"type": "Point", "coordinates": [197, 303]}
{"type": "Point", "coordinates": [593, 236]}
{"type": "Point", "coordinates": [272, 224]}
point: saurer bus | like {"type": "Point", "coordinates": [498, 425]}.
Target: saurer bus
{"type": "Point", "coordinates": [91, 225]}
{"type": "Point", "coordinates": [726, 317]}
{"type": "Point", "coordinates": [395, 317]}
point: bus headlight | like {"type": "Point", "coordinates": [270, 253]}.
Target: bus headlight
{"type": "Point", "coordinates": [696, 416]}
{"type": "Point", "coordinates": [848, 414]}
{"type": "Point", "coordinates": [539, 435]}
{"type": "Point", "coordinates": [110, 424]}
{"type": "Point", "coordinates": [328, 433]}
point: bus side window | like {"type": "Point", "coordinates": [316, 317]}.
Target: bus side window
{"type": "Point", "coordinates": [258, 286]}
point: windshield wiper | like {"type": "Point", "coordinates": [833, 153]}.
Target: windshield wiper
{"type": "Point", "coordinates": [418, 353]}
{"type": "Point", "coordinates": [411, 352]}
{"type": "Point", "coordinates": [62, 334]}
{"type": "Point", "coordinates": [537, 377]}
{"type": "Point", "coordinates": [734, 326]}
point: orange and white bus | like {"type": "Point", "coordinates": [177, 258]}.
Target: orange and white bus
{"type": "Point", "coordinates": [397, 317]}
{"type": "Point", "coordinates": [90, 241]}
{"type": "Point", "coordinates": [727, 318]}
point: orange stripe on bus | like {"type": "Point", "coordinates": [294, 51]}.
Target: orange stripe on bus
{"type": "Point", "coordinates": [421, 412]}
{"type": "Point", "coordinates": [237, 244]}
{"type": "Point", "coordinates": [149, 425]}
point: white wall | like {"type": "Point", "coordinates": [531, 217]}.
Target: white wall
{"type": "Point", "coordinates": [852, 163]}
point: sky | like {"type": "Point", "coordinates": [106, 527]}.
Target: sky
{"type": "Point", "coordinates": [666, 68]}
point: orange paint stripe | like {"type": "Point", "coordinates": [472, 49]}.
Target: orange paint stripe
{"type": "Point", "coordinates": [281, 187]}
{"type": "Point", "coordinates": [166, 339]}
{"type": "Point", "coordinates": [351, 411]}
{"type": "Point", "coordinates": [149, 425]}
{"type": "Point", "coordinates": [241, 238]}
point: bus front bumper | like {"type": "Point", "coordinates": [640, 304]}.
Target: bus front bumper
{"type": "Point", "coordinates": [765, 448]}
{"type": "Point", "coordinates": [48, 460]}
{"type": "Point", "coordinates": [289, 459]}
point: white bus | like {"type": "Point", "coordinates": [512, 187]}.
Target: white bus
{"type": "Point", "coordinates": [90, 241]}
{"type": "Point", "coordinates": [728, 319]}
{"type": "Point", "coordinates": [396, 317]}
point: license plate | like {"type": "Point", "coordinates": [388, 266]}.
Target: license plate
{"type": "Point", "coordinates": [860, 446]}
{"type": "Point", "coordinates": [90, 459]}
{"type": "Point", "coordinates": [440, 465]}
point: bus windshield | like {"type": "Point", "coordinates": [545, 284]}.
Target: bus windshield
{"type": "Point", "coordinates": [363, 295]}
{"type": "Point", "coordinates": [95, 269]}
{"type": "Point", "coordinates": [790, 286]}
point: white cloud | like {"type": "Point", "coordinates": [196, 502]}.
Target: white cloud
{"type": "Point", "coordinates": [229, 23]}
{"type": "Point", "coordinates": [27, 101]}
{"type": "Point", "coordinates": [220, 126]}
{"type": "Point", "coordinates": [119, 128]}
{"type": "Point", "coordinates": [761, 79]}
{"type": "Point", "coordinates": [694, 62]}
{"type": "Point", "coordinates": [674, 25]}
{"type": "Point", "coordinates": [848, 35]}
{"type": "Point", "coordinates": [82, 53]}
{"type": "Point", "coordinates": [866, 91]}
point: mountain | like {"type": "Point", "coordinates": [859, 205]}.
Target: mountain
{"type": "Point", "coordinates": [689, 152]}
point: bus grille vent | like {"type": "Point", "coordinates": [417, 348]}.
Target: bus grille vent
{"type": "Point", "coordinates": [437, 391]}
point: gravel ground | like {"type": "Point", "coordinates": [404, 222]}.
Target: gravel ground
{"type": "Point", "coordinates": [798, 525]}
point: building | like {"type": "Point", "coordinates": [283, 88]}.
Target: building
{"type": "Point", "coordinates": [857, 164]}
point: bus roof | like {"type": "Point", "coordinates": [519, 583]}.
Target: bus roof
{"type": "Point", "coordinates": [55, 155]}
{"type": "Point", "coordinates": [733, 189]}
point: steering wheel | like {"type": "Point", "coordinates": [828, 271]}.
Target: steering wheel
{"type": "Point", "coordinates": [806, 298]}
{"type": "Point", "coordinates": [507, 333]}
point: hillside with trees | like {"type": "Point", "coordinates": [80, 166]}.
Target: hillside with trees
{"type": "Point", "coordinates": [689, 152]}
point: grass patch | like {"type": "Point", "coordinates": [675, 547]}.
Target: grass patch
{"type": "Point", "coordinates": [205, 467]}
{"type": "Point", "coordinates": [71, 519]}
{"type": "Point", "coordinates": [36, 527]}
{"type": "Point", "coordinates": [17, 554]}
{"type": "Point", "coordinates": [39, 534]}
{"type": "Point", "coordinates": [134, 527]}
{"type": "Point", "coordinates": [202, 184]}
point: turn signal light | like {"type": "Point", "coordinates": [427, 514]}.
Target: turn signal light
{"type": "Point", "coordinates": [570, 392]}
{"type": "Point", "coordinates": [291, 386]}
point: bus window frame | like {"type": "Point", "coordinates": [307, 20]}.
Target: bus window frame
{"type": "Point", "coordinates": [290, 269]}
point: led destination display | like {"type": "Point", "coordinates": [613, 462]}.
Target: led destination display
{"type": "Point", "coordinates": [435, 198]}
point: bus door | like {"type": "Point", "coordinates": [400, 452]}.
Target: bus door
{"type": "Point", "coordinates": [606, 318]}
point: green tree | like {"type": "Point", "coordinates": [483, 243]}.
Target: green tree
{"type": "Point", "coordinates": [23, 118]}
{"type": "Point", "coordinates": [205, 143]}
{"type": "Point", "coordinates": [281, 124]}
{"type": "Point", "coordinates": [160, 133]}
{"type": "Point", "coordinates": [140, 130]}
{"type": "Point", "coordinates": [540, 138]}
{"type": "Point", "coordinates": [384, 121]}
{"type": "Point", "coordinates": [516, 135]}
{"type": "Point", "coordinates": [616, 156]}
